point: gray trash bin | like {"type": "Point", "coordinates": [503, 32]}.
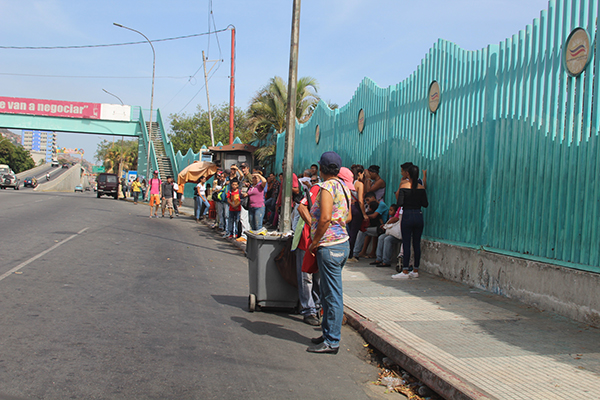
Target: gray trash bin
{"type": "Point", "coordinates": [267, 286]}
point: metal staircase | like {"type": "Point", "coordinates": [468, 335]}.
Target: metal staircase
{"type": "Point", "coordinates": [164, 163]}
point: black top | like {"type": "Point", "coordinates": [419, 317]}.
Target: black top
{"type": "Point", "coordinates": [410, 199]}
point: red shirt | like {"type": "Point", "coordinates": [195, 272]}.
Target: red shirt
{"type": "Point", "coordinates": [234, 197]}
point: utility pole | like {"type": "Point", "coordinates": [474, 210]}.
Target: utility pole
{"type": "Point", "coordinates": [232, 86]}
{"type": "Point", "coordinates": [212, 137]}
{"type": "Point", "coordinates": [290, 129]}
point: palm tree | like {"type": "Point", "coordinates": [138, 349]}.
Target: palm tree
{"type": "Point", "coordinates": [268, 112]}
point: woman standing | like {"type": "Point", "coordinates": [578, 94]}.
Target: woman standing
{"type": "Point", "coordinates": [202, 205]}
{"type": "Point", "coordinates": [329, 215]}
{"type": "Point", "coordinates": [256, 193]}
{"type": "Point", "coordinates": [136, 189]}
{"type": "Point", "coordinates": [411, 197]}
{"type": "Point", "coordinates": [358, 207]}
{"type": "Point", "coordinates": [374, 183]}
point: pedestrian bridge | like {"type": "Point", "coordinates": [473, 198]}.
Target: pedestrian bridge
{"type": "Point", "coordinates": [90, 118]}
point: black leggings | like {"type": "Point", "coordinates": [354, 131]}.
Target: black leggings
{"type": "Point", "coordinates": [412, 226]}
{"type": "Point", "coordinates": [354, 226]}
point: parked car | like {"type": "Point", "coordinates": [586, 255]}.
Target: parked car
{"type": "Point", "coordinates": [78, 188]}
{"type": "Point", "coordinates": [65, 165]}
{"type": "Point", "coordinates": [30, 181]}
{"type": "Point", "coordinates": [108, 184]}
{"type": "Point", "coordinates": [8, 178]}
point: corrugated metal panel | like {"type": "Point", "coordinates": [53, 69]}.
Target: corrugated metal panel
{"type": "Point", "coordinates": [512, 151]}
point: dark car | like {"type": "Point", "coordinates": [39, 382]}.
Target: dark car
{"type": "Point", "coordinates": [108, 184]}
{"type": "Point", "coordinates": [30, 182]}
{"type": "Point", "coordinates": [65, 165]}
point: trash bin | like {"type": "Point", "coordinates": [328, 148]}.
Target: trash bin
{"type": "Point", "coordinates": [267, 286]}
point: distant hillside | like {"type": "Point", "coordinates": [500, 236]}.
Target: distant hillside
{"type": "Point", "coordinates": [12, 137]}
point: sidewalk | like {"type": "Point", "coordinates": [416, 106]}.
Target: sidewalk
{"type": "Point", "coordinates": [466, 343]}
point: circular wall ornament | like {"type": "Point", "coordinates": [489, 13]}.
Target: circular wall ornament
{"type": "Point", "coordinates": [576, 52]}
{"type": "Point", "coordinates": [361, 120]}
{"type": "Point", "coordinates": [434, 96]}
{"type": "Point", "coordinates": [317, 134]}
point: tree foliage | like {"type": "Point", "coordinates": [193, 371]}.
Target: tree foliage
{"type": "Point", "coordinates": [110, 154]}
{"type": "Point", "coordinates": [268, 112]}
{"type": "Point", "coordinates": [17, 158]}
{"type": "Point", "coordinates": [193, 131]}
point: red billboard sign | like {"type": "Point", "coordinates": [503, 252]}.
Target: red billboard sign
{"type": "Point", "coordinates": [50, 108]}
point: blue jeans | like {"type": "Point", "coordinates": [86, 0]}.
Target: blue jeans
{"type": "Point", "coordinates": [222, 214]}
{"type": "Point", "coordinates": [385, 247]}
{"type": "Point", "coordinates": [232, 223]}
{"type": "Point", "coordinates": [411, 227]}
{"type": "Point", "coordinates": [331, 260]}
{"type": "Point", "coordinates": [308, 288]}
{"type": "Point", "coordinates": [200, 202]}
{"type": "Point", "coordinates": [255, 217]}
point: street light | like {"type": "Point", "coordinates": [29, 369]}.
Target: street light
{"type": "Point", "coordinates": [151, 96]}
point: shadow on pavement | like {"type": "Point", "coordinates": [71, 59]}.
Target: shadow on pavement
{"type": "Point", "coordinates": [269, 329]}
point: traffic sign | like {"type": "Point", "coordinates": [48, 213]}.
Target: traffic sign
{"type": "Point", "coordinates": [96, 169]}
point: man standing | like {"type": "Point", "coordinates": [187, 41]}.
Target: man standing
{"type": "Point", "coordinates": [167, 196]}
{"type": "Point", "coordinates": [154, 194]}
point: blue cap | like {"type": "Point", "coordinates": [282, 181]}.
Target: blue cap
{"type": "Point", "coordinates": [331, 157]}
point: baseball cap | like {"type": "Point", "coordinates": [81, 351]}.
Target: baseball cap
{"type": "Point", "coordinates": [156, 172]}
{"type": "Point", "coordinates": [331, 157]}
{"type": "Point", "coordinates": [347, 176]}
{"type": "Point", "coordinates": [243, 165]}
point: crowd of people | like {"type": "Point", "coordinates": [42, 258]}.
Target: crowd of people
{"type": "Point", "coordinates": [339, 215]}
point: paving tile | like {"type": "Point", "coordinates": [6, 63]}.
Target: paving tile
{"type": "Point", "coordinates": [498, 345]}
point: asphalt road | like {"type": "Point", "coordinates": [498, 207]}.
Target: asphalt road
{"type": "Point", "coordinates": [98, 301]}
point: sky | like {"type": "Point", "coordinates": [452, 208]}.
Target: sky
{"type": "Point", "coordinates": [341, 42]}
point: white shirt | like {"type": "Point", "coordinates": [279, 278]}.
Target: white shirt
{"type": "Point", "coordinates": [175, 189]}
{"type": "Point", "coordinates": [201, 189]}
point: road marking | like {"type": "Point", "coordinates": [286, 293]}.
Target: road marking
{"type": "Point", "coordinates": [43, 253]}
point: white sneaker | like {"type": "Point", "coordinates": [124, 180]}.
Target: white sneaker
{"type": "Point", "coordinates": [413, 274]}
{"type": "Point", "coordinates": [400, 275]}
{"type": "Point", "coordinates": [352, 260]}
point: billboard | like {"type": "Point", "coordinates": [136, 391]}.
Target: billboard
{"type": "Point", "coordinates": [68, 109]}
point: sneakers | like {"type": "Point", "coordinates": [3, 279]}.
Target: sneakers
{"type": "Point", "coordinates": [401, 276]}
{"type": "Point", "coordinates": [312, 319]}
{"type": "Point", "coordinates": [353, 260]}
{"type": "Point", "coordinates": [230, 237]}
{"type": "Point", "coordinates": [318, 340]}
{"type": "Point", "coordinates": [323, 348]}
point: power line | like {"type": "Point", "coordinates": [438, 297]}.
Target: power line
{"type": "Point", "coordinates": [106, 45]}
{"type": "Point", "coordinates": [94, 77]}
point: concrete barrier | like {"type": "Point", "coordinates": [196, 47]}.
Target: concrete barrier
{"type": "Point", "coordinates": [565, 291]}
{"type": "Point", "coordinates": [64, 183]}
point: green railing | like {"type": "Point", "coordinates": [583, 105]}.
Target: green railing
{"type": "Point", "coordinates": [167, 144]}
{"type": "Point", "coordinates": [512, 151]}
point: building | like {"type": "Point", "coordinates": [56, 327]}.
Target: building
{"type": "Point", "coordinates": [41, 144]}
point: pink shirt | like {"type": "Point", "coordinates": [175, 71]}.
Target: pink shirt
{"type": "Point", "coordinates": [155, 186]}
{"type": "Point", "coordinates": [257, 196]}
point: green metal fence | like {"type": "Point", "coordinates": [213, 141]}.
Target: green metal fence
{"type": "Point", "coordinates": [512, 151]}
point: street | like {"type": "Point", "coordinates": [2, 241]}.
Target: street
{"type": "Point", "coordinates": [98, 301]}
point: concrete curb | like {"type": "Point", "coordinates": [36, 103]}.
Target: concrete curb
{"type": "Point", "coordinates": [439, 379]}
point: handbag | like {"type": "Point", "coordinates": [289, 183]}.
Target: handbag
{"type": "Point", "coordinates": [245, 202]}
{"type": "Point", "coordinates": [394, 229]}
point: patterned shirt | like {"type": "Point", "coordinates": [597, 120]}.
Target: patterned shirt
{"type": "Point", "coordinates": [336, 232]}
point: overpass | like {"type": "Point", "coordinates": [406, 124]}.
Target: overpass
{"type": "Point", "coordinates": [95, 119]}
